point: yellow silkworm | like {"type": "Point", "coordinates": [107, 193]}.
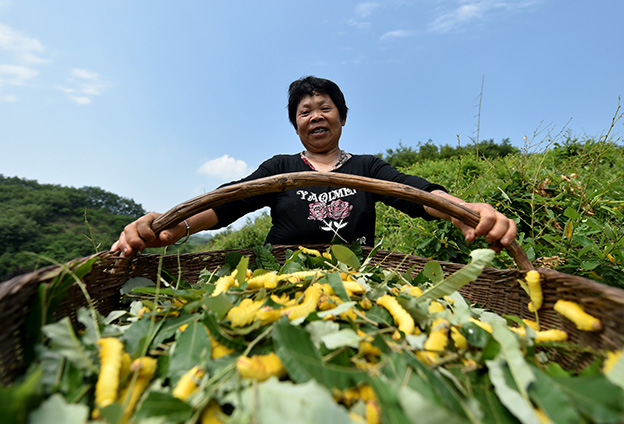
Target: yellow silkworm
{"type": "Point", "coordinates": [188, 383]}
{"type": "Point", "coordinates": [268, 280]}
{"type": "Point", "coordinates": [311, 297]}
{"type": "Point", "coordinates": [111, 359]}
{"type": "Point", "coordinates": [260, 367]}
{"type": "Point", "coordinates": [535, 290]}
{"type": "Point", "coordinates": [402, 318]}
{"type": "Point", "coordinates": [575, 313]}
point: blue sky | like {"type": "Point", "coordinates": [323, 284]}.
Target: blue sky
{"type": "Point", "coordinates": [161, 101]}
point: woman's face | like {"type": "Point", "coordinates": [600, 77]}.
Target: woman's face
{"type": "Point", "coordinates": [318, 123]}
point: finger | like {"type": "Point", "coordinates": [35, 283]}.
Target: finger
{"type": "Point", "coordinates": [487, 219]}
{"type": "Point", "coordinates": [144, 228]}
{"type": "Point", "coordinates": [467, 230]}
{"type": "Point", "coordinates": [510, 235]}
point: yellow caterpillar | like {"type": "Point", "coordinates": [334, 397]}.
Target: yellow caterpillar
{"type": "Point", "coordinates": [245, 313]}
{"type": "Point", "coordinates": [144, 368]}
{"type": "Point", "coordinates": [268, 280]}
{"type": "Point", "coordinates": [402, 318]}
{"type": "Point", "coordinates": [188, 383]}
{"type": "Point", "coordinates": [535, 290]}
{"type": "Point", "coordinates": [260, 367]}
{"type": "Point", "coordinates": [575, 313]}
{"type": "Point", "coordinates": [310, 301]}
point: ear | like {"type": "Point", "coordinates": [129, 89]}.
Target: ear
{"type": "Point", "coordinates": [344, 121]}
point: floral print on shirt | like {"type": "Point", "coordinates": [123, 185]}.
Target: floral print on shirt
{"type": "Point", "coordinates": [332, 215]}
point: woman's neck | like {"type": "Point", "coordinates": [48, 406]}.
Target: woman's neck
{"type": "Point", "coordinates": [325, 161]}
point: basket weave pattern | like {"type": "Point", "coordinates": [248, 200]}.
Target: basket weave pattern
{"type": "Point", "coordinates": [495, 289]}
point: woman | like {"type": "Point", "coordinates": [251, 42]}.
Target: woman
{"type": "Point", "coordinates": [310, 215]}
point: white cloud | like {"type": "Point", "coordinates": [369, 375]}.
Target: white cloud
{"type": "Point", "coordinates": [364, 10]}
{"type": "Point", "coordinates": [26, 49]}
{"type": "Point", "coordinates": [400, 33]}
{"type": "Point", "coordinates": [84, 85]}
{"type": "Point", "coordinates": [9, 98]}
{"type": "Point", "coordinates": [225, 168]}
{"type": "Point", "coordinates": [466, 12]}
{"type": "Point", "coordinates": [15, 74]}
{"type": "Point", "coordinates": [81, 100]}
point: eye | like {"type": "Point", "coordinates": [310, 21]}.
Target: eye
{"type": "Point", "coordinates": [303, 112]}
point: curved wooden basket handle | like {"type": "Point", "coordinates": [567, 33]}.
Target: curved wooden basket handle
{"type": "Point", "coordinates": [282, 182]}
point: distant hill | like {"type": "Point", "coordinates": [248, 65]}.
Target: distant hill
{"type": "Point", "coordinates": [39, 221]}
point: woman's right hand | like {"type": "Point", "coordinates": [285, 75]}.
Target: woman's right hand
{"type": "Point", "coordinates": [139, 235]}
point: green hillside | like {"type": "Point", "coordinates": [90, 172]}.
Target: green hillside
{"type": "Point", "coordinates": [567, 197]}
{"type": "Point", "coordinates": [40, 221]}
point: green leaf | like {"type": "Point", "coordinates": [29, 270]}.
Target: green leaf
{"type": "Point", "coordinates": [337, 285]}
{"type": "Point", "coordinates": [220, 304]}
{"type": "Point", "coordinates": [135, 282]}
{"type": "Point", "coordinates": [192, 348]}
{"type": "Point", "coordinates": [511, 351]}
{"type": "Point", "coordinates": [214, 329]}
{"type": "Point", "coordinates": [391, 413]}
{"type": "Point", "coordinates": [49, 296]}
{"type": "Point", "coordinates": [265, 258]}
{"type": "Point", "coordinates": [571, 213]}
{"type": "Point", "coordinates": [457, 280]}
{"type": "Point", "coordinates": [494, 412]}
{"type": "Point", "coordinates": [138, 336]}
{"type": "Point", "coordinates": [511, 398]}
{"type": "Point", "coordinates": [595, 397]}
{"type": "Point", "coordinates": [64, 341]}
{"type": "Point", "coordinates": [113, 413]}
{"type": "Point", "coordinates": [242, 266]}
{"type": "Point", "coordinates": [303, 361]}
{"type": "Point", "coordinates": [345, 255]}
{"type": "Point", "coordinates": [589, 265]}
{"type": "Point", "coordinates": [168, 327]}
{"type": "Point", "coordinates": [420, 410]}
{"type": "Point", "coordinates": [548, 394]}
{"type": "Point", "coordinates": [319, 329]}
{"type": "Point", "coordinates": [56, 410]}
{"type": "Point", "coordinates": [284, 402]}
{"type": "Point", "coordinates": [164, 406]}
{"type": "Point", "coordinates": [443, 392]}
{"type": "Point", "coordinates": [17, 400]}
{"type": "Point", "coordinates": [343, 307]}
{"type": "Point", "coordinates": [232, 259]}
{"type": "Point", "coordinates": [344, 337]}
{"type": "Point", "coordinates": [380, 315]}
{"type": "Point", "coordinates": [433, 271]}
{"type": "Point", "coordinates": [475, 335]}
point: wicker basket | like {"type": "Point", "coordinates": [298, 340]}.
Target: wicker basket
{"type": "Point", "coordinates": [496, 290]}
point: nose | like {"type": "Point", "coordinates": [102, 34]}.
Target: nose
{"type": "Point", "coordinates": [316, 116]}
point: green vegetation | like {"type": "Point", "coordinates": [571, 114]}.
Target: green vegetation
{"type": "Point", "coordinates": [566, 196]}
{"type": "Point", "coordinates": [61, 223]}
{"type": "Point", "coordinates": [568, 202]}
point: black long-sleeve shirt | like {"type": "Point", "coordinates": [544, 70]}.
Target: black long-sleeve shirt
{"type": "Point", "coordinates": [319, 215]}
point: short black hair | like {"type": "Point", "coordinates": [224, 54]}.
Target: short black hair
{"type": "Point", "coordinates": [308, 86]}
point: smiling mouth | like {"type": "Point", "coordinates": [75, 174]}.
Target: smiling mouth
{"type": "Point", "coordinates": [319, 131]}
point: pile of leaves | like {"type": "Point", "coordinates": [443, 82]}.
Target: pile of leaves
{"type": "Point", "coordinates": [324, 337]}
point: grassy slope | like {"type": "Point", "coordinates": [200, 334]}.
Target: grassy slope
{"type": "Point", "coordinates": [568, 202]}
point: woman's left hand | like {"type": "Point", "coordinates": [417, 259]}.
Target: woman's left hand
{"type": "Point", "coordinates": [496, 228]}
